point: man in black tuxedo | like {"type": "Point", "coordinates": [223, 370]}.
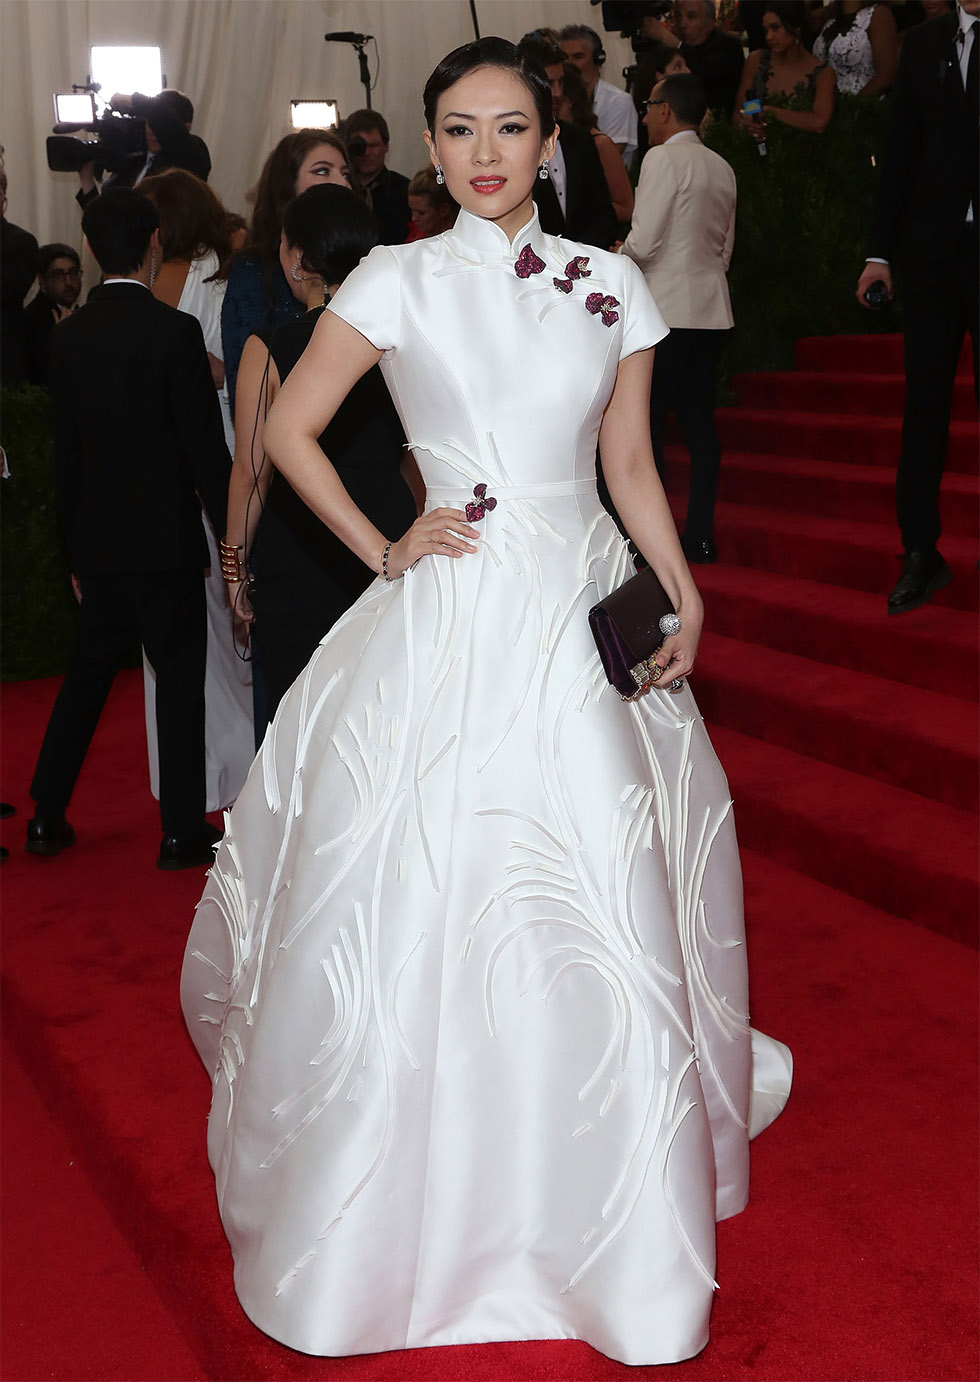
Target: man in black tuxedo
{"type": "Point", "coordinates": [574, 199]}
{"type": "Point", "coordinates": [59, 285]}
{"type": "Point", "coordinates": [928, 193]}
{"type": "Point", "coordinates": [167, 121]}
{"type": "Point", "coordinates": [138, 437]}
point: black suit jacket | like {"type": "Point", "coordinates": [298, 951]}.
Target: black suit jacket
{"type": "Point", "coordinates": [718, 61]}
{"type": "Point", "coordinates": [589, 216]}
{"type": "Point", "coordinates": [138, 435]}
{"type": "Point", "coordinates": [389, 202]}
{"type": "Point", "coordinates": [929, 162]}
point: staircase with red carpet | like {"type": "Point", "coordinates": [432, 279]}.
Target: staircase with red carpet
{"type": "Point", "coordinates": [849, 736]}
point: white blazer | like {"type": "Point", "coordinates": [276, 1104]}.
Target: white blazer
{"type": "Point", "coordinates": [683, 231]}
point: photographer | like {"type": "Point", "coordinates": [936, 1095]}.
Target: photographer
{"type": "Point", "coordinates": [167, 121]}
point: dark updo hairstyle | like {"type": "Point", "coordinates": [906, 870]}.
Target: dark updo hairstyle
{"type": "Point", "coordinates": [334, 227]}
{"type": "Point", "coordinates": [490, 52]}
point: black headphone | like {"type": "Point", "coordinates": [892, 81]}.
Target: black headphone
{"type": "Point", "coordinates": [598, 52]}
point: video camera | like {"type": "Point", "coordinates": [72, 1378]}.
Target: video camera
{"type": "Point", "coordinates": [119, 140]}
{"type": "Point", "coordinates": [626, 17]}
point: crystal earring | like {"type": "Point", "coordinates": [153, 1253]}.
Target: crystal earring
{"type": "Point", "coordinates": [296, 273]}
{"type": "Point", "coordinates": [543, 171]}
{"type": "Point", "coordinates": [440, 175]}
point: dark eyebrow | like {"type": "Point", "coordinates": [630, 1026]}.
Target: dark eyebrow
{"type": "Point", "coordinates": [459, 115]}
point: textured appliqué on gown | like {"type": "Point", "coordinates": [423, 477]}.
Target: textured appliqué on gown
{"type": "Point", "coordinates": [469, 972]}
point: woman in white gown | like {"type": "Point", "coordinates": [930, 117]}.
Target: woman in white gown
{"type": "Point", "coordinates": [469, 972]}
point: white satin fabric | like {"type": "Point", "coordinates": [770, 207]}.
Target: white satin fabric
{"type": "Point", "coordinates": [469, 972]}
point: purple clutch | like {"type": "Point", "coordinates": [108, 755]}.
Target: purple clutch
{"type": "Point", "coordinates": [626, 626]}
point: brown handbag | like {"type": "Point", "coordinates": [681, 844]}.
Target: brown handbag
{"type": "Point", "coordinates": [629, 627]}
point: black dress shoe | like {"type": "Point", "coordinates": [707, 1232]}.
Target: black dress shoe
{"type": "Point", "coordinates": [701, 551]}
{"type": "Point", "coordinates": [189, 851]}
{"type": "Point", "coordinates": [48, 834]}
{"type": "Point", "coordinates": [923, 572]}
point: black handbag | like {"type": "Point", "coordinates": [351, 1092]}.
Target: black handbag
{"type": "Point", "coordinates": [629, 627]}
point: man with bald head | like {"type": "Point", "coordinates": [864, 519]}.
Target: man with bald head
{"type": "Point", "coordinates": [715, 57]}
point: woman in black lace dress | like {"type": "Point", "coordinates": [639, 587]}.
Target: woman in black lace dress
{"type": "Point", "coordinates": [792, 86]}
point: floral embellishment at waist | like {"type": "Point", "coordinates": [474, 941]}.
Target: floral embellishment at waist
{"type": "Point", "coordinates": [485, 503]}
{"type": "Point", "coordinates": [597, 304]}
{"type": "Point", "coordinates": [528, 263]}
{"type": "Point", "coordinates": [575, 268]}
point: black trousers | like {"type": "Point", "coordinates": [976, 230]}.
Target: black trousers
{"type": "Point", "coordinates": [942, 303]}
{"type": "Point", "coordinates": [684, 380]}
{"type": "Point", "coordinates": [166, 611]}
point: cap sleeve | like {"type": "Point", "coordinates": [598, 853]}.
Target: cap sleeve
{"type": "Point", "coordinates": [643, 326]}
{"type": "Point", "coordinates": [369, 299]}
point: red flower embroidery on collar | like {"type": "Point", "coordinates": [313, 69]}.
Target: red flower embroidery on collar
{"type": "Point", "coordinates": [528, 263]}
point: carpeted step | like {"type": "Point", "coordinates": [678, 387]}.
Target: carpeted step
{"type": "Point", "coordinates": [906, 736]}
{"type": "Point", "coordinates": [908, 856]}
{"type": "Point", "coordinates": [861, 556]}
{"type": "Point", "coordinates": [934, 648]}
{"type": "Point", "coordinates": [826, 489]}
{"type": "Point", "coordinates": [876, 354]}
{"type": "Point", "coordinates": [836, 437]}
{"type": "Point", "coordinates": [866, 395]}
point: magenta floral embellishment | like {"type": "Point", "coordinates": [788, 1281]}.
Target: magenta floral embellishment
{"type": "Point", "coordinates": [598, 305]}
{"type": "Point", "coordinates": [575, 268]}
{"type": "Point", "coordinates": [527, 264]}
{"type": "Point", "coordinates": [485, 503]}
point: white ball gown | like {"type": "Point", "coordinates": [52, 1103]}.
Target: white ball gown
{"type": "Point", "coordinates": [469, 972]}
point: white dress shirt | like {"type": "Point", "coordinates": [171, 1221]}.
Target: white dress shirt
{"type": "Point", "coordinates": [616, 114]}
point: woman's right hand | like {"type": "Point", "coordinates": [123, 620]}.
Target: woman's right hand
{"type": "Point", "coordinates": [438, 533]}
{"type": "Point", "coordinates": [242, 613]}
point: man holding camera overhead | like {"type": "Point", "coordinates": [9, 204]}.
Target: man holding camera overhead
{"type": "Point", "coordinates": [167, 121]}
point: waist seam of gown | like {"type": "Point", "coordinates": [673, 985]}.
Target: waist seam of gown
{"type": "Point", "coordinates": [543, 491]}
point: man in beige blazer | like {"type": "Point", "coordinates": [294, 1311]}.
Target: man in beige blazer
{"type": "Point", "coordinates": [681, 237]}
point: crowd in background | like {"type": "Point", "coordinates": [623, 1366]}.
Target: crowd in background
{"type": "Point", "coordinates": [755, 63]}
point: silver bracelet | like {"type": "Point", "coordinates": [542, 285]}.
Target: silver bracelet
{"type": "Point", "coordinates": [384, 564]}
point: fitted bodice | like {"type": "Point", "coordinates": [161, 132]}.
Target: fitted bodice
{"type": "Point", "coordinates": [499, 378]}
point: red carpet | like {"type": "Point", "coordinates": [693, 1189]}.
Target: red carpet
{"type": "Point", "coordinates": [854, 776]}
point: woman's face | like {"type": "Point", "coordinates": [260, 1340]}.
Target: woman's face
{"type": "Point", "coordinates": [431, 218]}
{"type": "Point", "coordinates": [322, 164]}
{"type": "Point", "coordinates": [677, 67]}
{"type": "Point", "coordinates": [778, 37]}
{"type": "Point", "coordinates": [488, 140]}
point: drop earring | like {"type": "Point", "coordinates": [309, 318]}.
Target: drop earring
{"type": "Point", "coordinates": [543, 171]}
{"type": "Point", "coordinates": [296, 273]}
{"type": "Point", "coordinates": [440, 175]}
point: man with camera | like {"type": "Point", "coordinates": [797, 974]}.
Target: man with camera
{"type": "Point", "coordinates": [928, 195]}
{"type": "Point", "coordinates": [167, 121]}
{"type": "Point", "coordinates": [138, 437]}
{"type": "Point", "coordinates": [366, 132]}
{"type": "Point", "coordinates": [715, 57]}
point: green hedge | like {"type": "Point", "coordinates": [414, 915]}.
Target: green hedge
{"type": "Point", "coordinates": [804, 214]}
{"type": "Point", "coordinates": [37, 609]}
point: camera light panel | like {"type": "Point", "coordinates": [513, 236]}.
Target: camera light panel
{"type": "Point", "coordinates": [126, 70]}
{"type": "Point", "coordinates": [314, 115]}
